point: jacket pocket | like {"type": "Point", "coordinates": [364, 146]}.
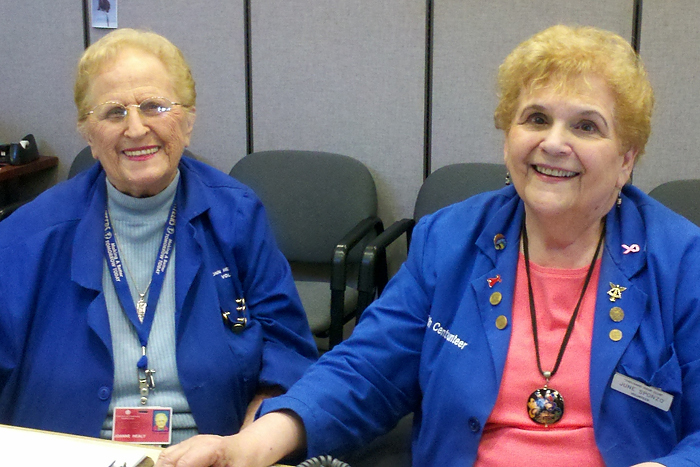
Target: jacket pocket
{"type": "Point", "coordinates": [666, 376]}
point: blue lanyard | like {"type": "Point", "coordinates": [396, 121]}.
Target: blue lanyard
{"type": "Point", "coordinates": [116, 267]}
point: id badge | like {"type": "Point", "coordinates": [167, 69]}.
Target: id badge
{"type": "Point", "coordinates": [143, 425]}
{"type": "Point", "coordinates": [640, 391]}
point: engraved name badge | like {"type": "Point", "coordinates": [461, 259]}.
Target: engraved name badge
{"type": "Point", "coordinates": [640, 391]}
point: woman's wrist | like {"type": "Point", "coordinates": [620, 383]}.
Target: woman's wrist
{"type": "Point", "coordinates": [264, 442]}
{"type": "Point", "coordinates": [272, 437]}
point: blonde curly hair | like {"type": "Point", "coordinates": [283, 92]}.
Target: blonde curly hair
{"type": "Point", "coordinates": [560, 56]}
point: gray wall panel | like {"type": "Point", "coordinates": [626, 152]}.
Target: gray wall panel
{"type": "Point", "coordinates": [669, 47]}
{"type": "Point", "coordinates": [348, 77]}
{"type": "Point", "coordinates": [39, 47]}
{"type": "Point", "coordinates": [212, 39]}
{"type": "Point", "coordinates": [345, 77]}
{"type": "Point", "coordinates": [471, 39]}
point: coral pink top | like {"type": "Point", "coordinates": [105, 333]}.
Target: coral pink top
{"type": "Point", "coordinates": [510, 437]}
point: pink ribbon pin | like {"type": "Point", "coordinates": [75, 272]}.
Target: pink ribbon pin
{"type": "Point", "coordinates": [634, 248]}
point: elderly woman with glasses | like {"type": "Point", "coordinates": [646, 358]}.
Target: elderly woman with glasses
{"type": "Point", "coordinates": [149, 281]}
{"type": "Point", "coordinates": [554, 322]}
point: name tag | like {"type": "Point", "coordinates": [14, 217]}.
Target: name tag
{"type": "Point", "coordinates": [143, 425]}
{"type": "Point", "coordinates": [640, 391]}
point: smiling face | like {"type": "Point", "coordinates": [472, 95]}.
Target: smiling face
{"type": "Point", "coordinates": [563, 153]}
{"type": "Point", "coordinates": [139, 154]}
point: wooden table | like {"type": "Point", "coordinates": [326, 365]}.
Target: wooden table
{"type": "Point", "coordinates": [10, 176]}
{"type": "Point", "coordinates": [10, 172]}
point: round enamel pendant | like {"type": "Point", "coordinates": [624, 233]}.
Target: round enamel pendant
{"type": "Point", "coordinates": [545, 406]}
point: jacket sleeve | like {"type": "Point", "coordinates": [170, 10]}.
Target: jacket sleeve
{"type": "Point", "coordinates": [367, 383]}
{"type": "Point", "coordinates": [685, 354]}
{"type": "Point", "coordinates": [271, 298]}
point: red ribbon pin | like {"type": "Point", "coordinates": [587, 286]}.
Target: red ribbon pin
{"type": "Point", "coordinates": [494, 280]}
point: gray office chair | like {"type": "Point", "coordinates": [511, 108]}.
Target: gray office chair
{"type": "Point", "coordinates": [82, 161]}
{"type": "Point", "coordinates": [321, 206]}
{"type": "Point", "coordinates": [681, 196]}
{"type": "Point", "coordinates": [456, 182]}
{"type": "Point", "coordinates": [447, 185]}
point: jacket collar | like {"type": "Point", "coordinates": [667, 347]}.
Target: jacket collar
{"type": "Point", "coordinates": [502, 230]}
{"type": "Point", "coordinates": [87, 254]}
{"type": "Point", "coordinates": [624, 257]}
{"type": "Point", "coordinates": [193, 199]}
{"type": "Point", "coordinates": [506, 221]}
{"type": "Point", "coordinates": [626, 236]}
{"type": "Point", "coordinates": [87, 250]}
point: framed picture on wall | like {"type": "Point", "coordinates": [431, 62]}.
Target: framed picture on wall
{"type": "Point", "coordinates": [104, 14]}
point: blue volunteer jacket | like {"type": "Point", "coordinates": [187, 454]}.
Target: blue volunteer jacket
{"type": "Point", "coordinates": [56, 365]}
{"type": "Point", "coordinates": [398, 361]}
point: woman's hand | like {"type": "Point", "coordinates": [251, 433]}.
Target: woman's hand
{"type": "Point", "coordinates": [203, 451]}
{"type": "Point", "coordinates": [263, 443]}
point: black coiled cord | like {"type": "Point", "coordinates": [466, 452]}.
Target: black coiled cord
{"type": "Point", "coordinates": [323, 461]}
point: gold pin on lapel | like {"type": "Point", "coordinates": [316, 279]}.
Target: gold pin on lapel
{"type": "Point", "coordinates": [501, 322]}
{"type": "Point", "coordinates": [615, 292]}
{"type": "Point", "coordinates": [617, 314]}
{"type": "Point", "coordinates": [615, 335]}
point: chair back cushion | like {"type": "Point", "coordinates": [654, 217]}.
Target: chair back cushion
{"type": "Point", "coordinates": [312, 198]}
{"type": "Point", "coordinates": [681, 196]}
{"type": "Point", "coordinates": [82, 162]}
{"type": "Point", "coordinates": [456, 182]}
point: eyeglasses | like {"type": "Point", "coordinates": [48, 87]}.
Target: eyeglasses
{"type": "Point", "coordinates": [116, 113]}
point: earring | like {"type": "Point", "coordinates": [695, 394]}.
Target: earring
{"type": "Point", "coordinates": [508, 178]}
{"type": "Point", "coordinates": [619, 199]}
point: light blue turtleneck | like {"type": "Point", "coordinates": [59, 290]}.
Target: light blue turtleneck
{"type": "Point", "coordinates": [138, 225]}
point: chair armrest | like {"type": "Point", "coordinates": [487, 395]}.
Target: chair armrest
{"type": "Point", "coordinates": [346, 244]}
{"type": "Point", "coordinates": [373, 257]}
{"type": "Point", "coordinates": [10, 208]}
{"type": "Point", "coordinates": [339, 273]}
